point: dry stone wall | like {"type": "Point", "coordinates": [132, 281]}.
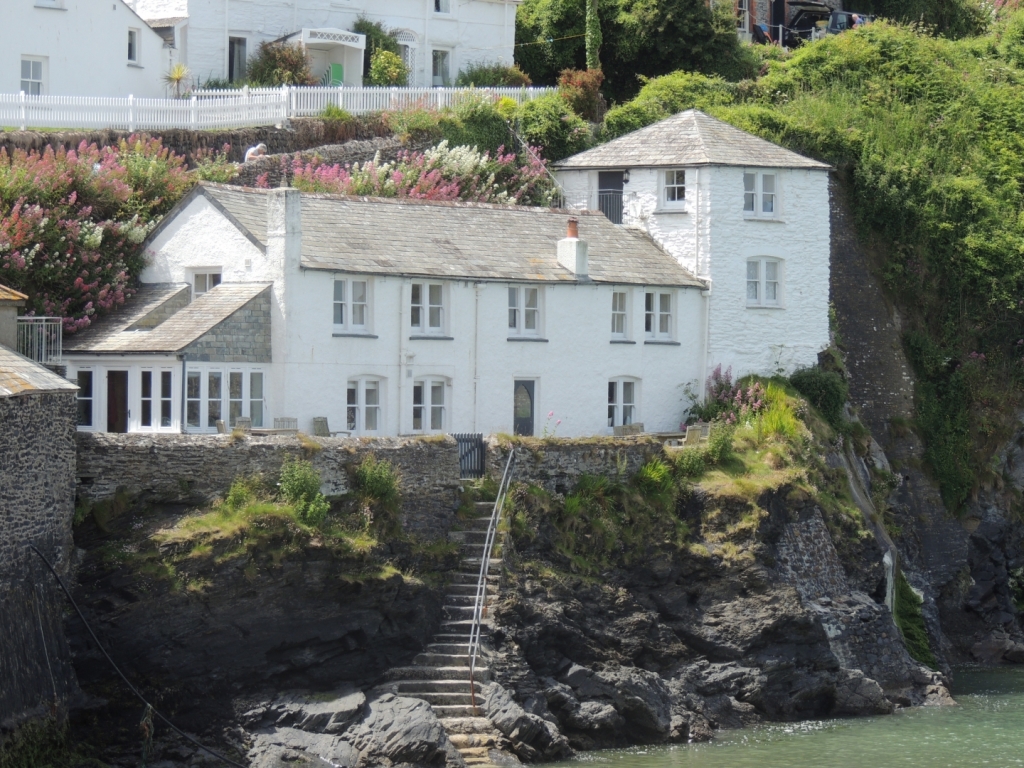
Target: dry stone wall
{"type": "Point", "coordinates": [197, 468]}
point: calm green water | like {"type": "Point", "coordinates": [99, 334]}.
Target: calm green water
{"type": "Point", "coordinates": [986, 730]}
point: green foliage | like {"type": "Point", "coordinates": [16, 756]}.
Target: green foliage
{"type": "Point", "coordinates": [825, 390]}
{"type": "Point", "coordinates": [334, 113]}
{"type": "Point", "coordinates": [910, 621]}
{"type": "Point", "coordinates": [665, 96]}
{"type": "Point", "coordinates": [276, 64]}
{"type": "Point", "coordinates": [209, 165]}
{"type": "Point", "coordinates": [378, 38]}
{"type": "Point", "coordinates": [41, 744]}
{"type": "Point", "coordinates": [483, 74]}
{"type": "Point", "coordinates": [387, 68]}
{"type": "Point", "coordinates": [949, 18]}
{"type": "Point", "coordinates": [691, 462]}
{"type": "Point", "coordinates": [548, 123]}
{"type": "Point", "coordinates": [593, 35]}
{"type": "Point", "coordinates": [245, 491]}
{"type": "Point", "coordinates": [378, 487]}
{"type": "Point", "coordinates": [300, 487]}
{"type": "Point", "coordinates": [476, 122]}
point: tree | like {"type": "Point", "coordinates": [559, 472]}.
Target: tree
{"type": "Point", "coordinates": [279, 64]}
{"type": "Point", "coordinates": [593, 36]}
{"type": "Point", "coordinates": [387, 68]}
{"type": "Point", "coordinates": [177, 76]}
{"type": "Point", "coordinates": [378, 38]}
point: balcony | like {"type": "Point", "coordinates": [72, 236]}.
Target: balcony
{"type": "Point", "coordinates": [41, 339]}
{"type": "Point", "coordinates": [609, 201]}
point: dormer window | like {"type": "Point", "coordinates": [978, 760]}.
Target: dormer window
{"type": "Point", "coordinates": [673, 193]}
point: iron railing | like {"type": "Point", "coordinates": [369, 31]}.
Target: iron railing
{"type": "Point", "coordinates": [610, 203]}
{"type": "Point", "coordinates": [41, 338]}
{"type": "Point", "coordinates": [471, 454]}
{"type": "Point", "coordinates": [485, 564]}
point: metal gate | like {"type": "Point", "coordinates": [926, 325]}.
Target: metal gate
{"type": "Point", "coordinates": [471, 454]}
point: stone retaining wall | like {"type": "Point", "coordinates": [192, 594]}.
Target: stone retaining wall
{"type": "Point", "coordinates": [198, 468]}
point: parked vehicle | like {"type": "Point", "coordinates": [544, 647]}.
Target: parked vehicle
{"type": "Point", "coordinates": [813, 20]}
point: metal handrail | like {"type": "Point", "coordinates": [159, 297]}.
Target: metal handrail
{"type": "Point", "coordinates": [485, 564]}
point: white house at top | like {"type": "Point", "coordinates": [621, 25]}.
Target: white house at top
{"type": "Point", "coordinates": [437, 37]}
{"type": "Point", "coordinates": [80, 48]}
{"type": "Point", "coordinates": [745, 215]}
{"type": "Point", "coordinates": [393, 317]}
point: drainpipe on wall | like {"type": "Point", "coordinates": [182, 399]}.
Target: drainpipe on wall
{"type": "Point", "coordinates": [227, 42]}
{"type": "Point", "coordinates": [701, 385]}
{"type": "Point", "coordinates": [184, 394]}
{"type": "Point", "coordinates": [401, 351]}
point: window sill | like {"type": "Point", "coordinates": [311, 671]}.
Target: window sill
{"type": "Point", "coordinates": [527, 338]}
{"type": "Point", "coordinates": [765, 219]}
{"type": "Point", "coordinates": [765, 306]}
{"type": "Point", "coordinates": [344, 335]}
{"type": "Point", "coordinates": [133, 65]}
{"type": "Point", "coordinates": [663, 342]}
{"type": "Point", "coordinates": [431, 337]}
{"type": "Point", "coordinates": [622, 341]}
{"type": "Point", "coordinates": [49, 7]}
{"type": "Point", "coordinates": [665, 209]}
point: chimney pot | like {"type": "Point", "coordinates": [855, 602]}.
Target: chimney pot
{"type": "Point", "coordinates": [573, 230]}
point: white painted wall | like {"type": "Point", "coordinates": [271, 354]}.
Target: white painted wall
{"type": "Point", "coordinates": [312, 366]}
{"type": "Point", "coordinates": [474, 30]}
{"type": "Point", "coordinates": [712, 237]}
{"type": "Point", "coordinates": [83, 45]}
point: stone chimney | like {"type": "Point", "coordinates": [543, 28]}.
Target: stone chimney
{"type": "Point", "coordinates": [284, 228]}
{"type": "Point", "coordinates": [10, 300]}
{"type": "Point", "coordinates": [572, 252]}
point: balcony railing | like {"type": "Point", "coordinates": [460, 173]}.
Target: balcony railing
{"type": "Point", "coordinates": [610, 203]}
{"type": "Point", "coordinates": [41, 338]}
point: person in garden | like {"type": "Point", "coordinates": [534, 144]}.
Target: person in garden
{"type": "Point", "coordinates": [258, 151]}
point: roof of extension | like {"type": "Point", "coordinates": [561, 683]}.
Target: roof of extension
{"type": "Point", "coordinates": [9, 295]}
{"type": "Point", "coordinates": [122, 332]}
{"type": "Point", "coordinates": [689, 138]}
{"type": "Point", "coordinates": [455, 240]}
{"type": "Point", "coordinates": [21, 376]}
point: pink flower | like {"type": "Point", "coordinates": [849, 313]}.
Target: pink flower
{"type": "Point", "coordinates": [550, 414]}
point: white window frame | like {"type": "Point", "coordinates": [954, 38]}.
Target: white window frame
{"type": "Point", "coordinates": [427, 406]}
{"type": "Point", "coordinates": [159, 396]}
{"type": "Point", "coordinates": [349, 315]}
{"type": "Point", "coordinates": [620, 312]}
{"type": "Point", "coordinates": [621, 409]}
{"type": "Point", "coordinates": [225, 400]}
{"type": "Point", "coordinates": [659, 324]}
{"type": "Point", "coordinates": [91, 399]}
{"type": "Point", "coordinates": [758, 284]}
{"type": "Point", "coordinates": [446, 77]}
{"type": "Point", "coordinates": [43, 63]}
{"type": "Point", "coordinates": [521, 315]}
{"type": "Point", "coordinates": [665, 189]}
{"type": "Point", "coordinates": [207, 274]}
{"type": "Point", "coordinates": [743, 15]}
{"type": "Point", "coordinates": [759, 196]}
{"type": "Point", "coordinates": [423, 311]}
{"type": "Point", "coordinates": [133, 44]}
{"type": "Point", "coordinates": [357, 409]}
{"type": "Point", "coordinates": [443, 6]}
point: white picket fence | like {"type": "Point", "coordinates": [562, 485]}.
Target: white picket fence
{"type": "Point", "coordinates": [204, 110]}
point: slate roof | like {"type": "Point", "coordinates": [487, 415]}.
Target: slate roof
{"type": "Point", "coordinates": [686, 139]}
{"type": "Point", "coordinates": [114, 334]}
{"type": "Point", "coordinates": [21, 376]}
{"type": "Point", "coordinates": [9, 294]}
{"type": "Point", "coordinates": [473, 241]}
{"type": "Point", "coordinates": [166, 22]}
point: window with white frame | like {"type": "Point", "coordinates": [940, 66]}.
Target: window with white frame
{"type": "Point", "coordinates": [204, 281]}
{"type": "Point", "coordinates": [429, 405]}
{"type": "Point", "coordinates": [760, 194]}
{"type": "Point", "coordinates": [620, 327]}
{"type": "Point", "coordinates": [133, 46]}
{"type": "Point", "coordinates": [764, 277]}
{"type": "Point", "coordinates": [622, 402]}
{"type": "Point", "coordinates": [32, 75]}
{"type": "Point", "coordinates": [157, 396]}
{"type": "Point", "coordinates": [442, 6]}
{"type": "Point", "coordinates": [352, 306]}
{"type": "Point", "coordinates": [743, 15]}
{"type": "Point", "coordinates": [362, 406]}
{"type": "Point", "coordinates": [658, 314]}
{"type": "Point", "coordinates": [85, 398]}
{"type": "Point", "coordinates": [221, 393]}
{"type": "Point", "coordinates": [674, 189]}
{"type": "Point", "coordinates": [440, 67]}
{"type": "Point", "coordinates": [427, 308]}
{"type": "Point", "coordinates": [523, 311]}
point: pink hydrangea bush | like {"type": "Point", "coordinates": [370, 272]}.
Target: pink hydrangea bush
{"type": "Point", "coordinates": [728, 401]}
{"type": "Point", "coordinates": [72, 222]}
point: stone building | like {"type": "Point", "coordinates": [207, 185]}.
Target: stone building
{"type": "Point", "coordinates": [37, 502]}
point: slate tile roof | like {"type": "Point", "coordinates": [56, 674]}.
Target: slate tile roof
{"type": "Point", "coordinates": [473, 241]}
{"type": "Point", "coordinates": [686, 139]}
{"type": "Point", "coordinates": [114, 334]}
{"type": "Point", "coordinates": [11, 295]}
{"type": "Point", "coordinates": [21, 376]}
{"type": "Point", "coordinates": [104, 333]}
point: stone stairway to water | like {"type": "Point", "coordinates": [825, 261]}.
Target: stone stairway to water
{"type": "Point", "coordinates": [440, 675]}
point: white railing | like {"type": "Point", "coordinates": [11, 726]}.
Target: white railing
{"type": "Point", "coordinates": [230, 108]}
{"type": "Point", "coordinates": [41, 338]}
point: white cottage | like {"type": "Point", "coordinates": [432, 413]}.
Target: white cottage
{"type": "Point", "coordinates": [745, 215]}
{"type": "Point", "coordinates": [437, 38]}
{"type": "Point", "coordinates": [80, 48]}
{"type": "Point", "coordinates": [394, 317]}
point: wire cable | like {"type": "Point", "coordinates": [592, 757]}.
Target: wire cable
{"type": "Point", "coordinates": [117, 669]}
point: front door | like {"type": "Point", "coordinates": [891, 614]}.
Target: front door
{"type": "Point", "coordinates": [117, 401]}
{"type": "Point", "coordinates": [523, 407]}
{"type": "Point", "coordinates": [609, 194]}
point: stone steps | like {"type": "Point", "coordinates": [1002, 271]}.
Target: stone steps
{"type": "Point", "coordinates": [456, 649]}
{"type": "Point", "coordinates": [437, 686]}
{"type": "Point", "coordinates": [439, 674]}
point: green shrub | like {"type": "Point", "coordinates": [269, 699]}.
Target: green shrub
{"type": "Point", "coordinates": [779, 421]}
{"type": "Point", "coordinates": [493, 74]}
{"type": "Point", "coordinates": [300, 487]}
{"type": "Point", "coordinates": [655, 483]}
{"type": "Point", "coordinates": [243, 492]}
{"type": "Point", "coordinates": [209, 165]}
{"type": "Point", "coordinates": [334, 113]}
{"type": "Point", "coordinates": [719, 446]}
{"type": "Point", "coordinates": [581, 89]}
{"type": "Point", "coordinates": [415, 124]}
{"type": "Point", "coordinates": [665, 96]}
{"type": "Point", "coordinates": [476, 122]}
{"type": "Point", "coordinates": [548, 123]}
{"type": "Point", "coordinates": [378, 38]}
{"type": "Point", "coordinates": [825, 390]}
{"type": "Point", "coordinates": [378, 488]}
{"type": "Point", "coordinates": [690, 462]}
{"type": "Point", "coordinates": [387, 68]}
{"type": "Point", "coordinates": [276, 64]}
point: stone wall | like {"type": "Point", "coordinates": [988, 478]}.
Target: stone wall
{"type": "Point", "coordinates": [36, 507]}
{"type": "Point", "coordinates": [556, 465]}
{"type": "Point", "coordinates": [197, 468]}
{"type": "Point", "coordinates": [242, 338]}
